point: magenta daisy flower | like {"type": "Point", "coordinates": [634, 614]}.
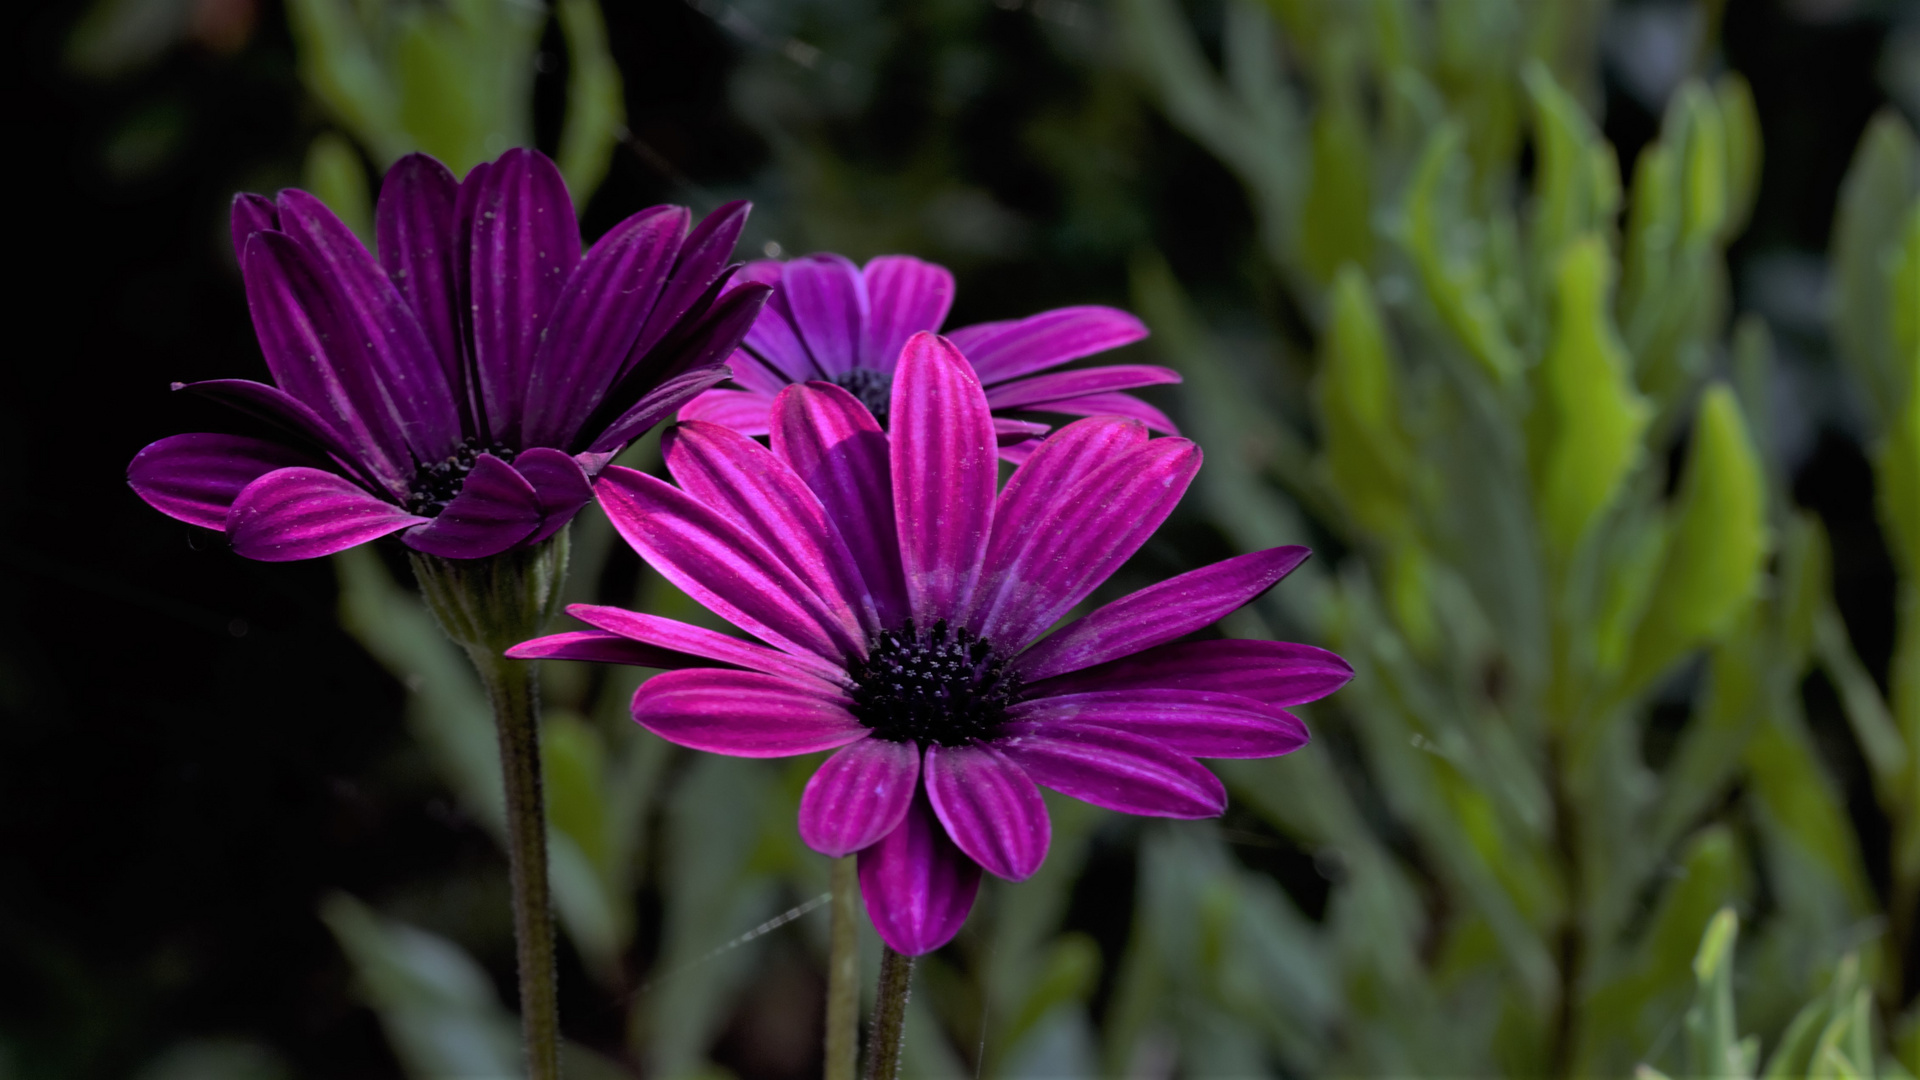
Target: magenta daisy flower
{"type": "Point", "coordinates": [901, 607]}
{"type": "Point", "coordinates": [836, 322]}
{"type": "Point", "coordinates": [464, 387]}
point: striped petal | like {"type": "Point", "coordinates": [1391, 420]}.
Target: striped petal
{"type": "Point", "coordinates": [743, 713]}
{"type": "Point", "coordinates": [858, 796]}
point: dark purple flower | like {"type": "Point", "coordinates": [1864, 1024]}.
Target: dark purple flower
{"type": "Point", "coordinates": [468, 384]}
{"type": "Point", "coordinates": [839, 323]}
{"type": "Point", "coordinates": [900, 603]}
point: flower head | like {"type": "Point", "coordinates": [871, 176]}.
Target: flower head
{"type": "Point", "coordinates": [840, 323]}
{"type": "Point", "coordinates": [900, 603]}
{"type": "Point", "coordinates": [466, 385]}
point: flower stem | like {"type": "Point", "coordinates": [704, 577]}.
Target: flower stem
{"type": "Point", "coordinates": [888, 1035]}
{"type": "Point", "coordinates": [843, 973]}
{"type": "Point", "coordinates": [488, 605]}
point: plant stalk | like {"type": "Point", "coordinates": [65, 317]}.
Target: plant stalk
{"type": "Point", "coordinates": [487, 606]}
{"type": "Point", "coordinates": [843, 973]}
{"type": "Point", "coordinates": [888, 1034]}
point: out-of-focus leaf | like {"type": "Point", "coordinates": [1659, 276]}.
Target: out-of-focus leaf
{"type": "Point", "coordinates": [596, 111]}
{"type": "Point", "coordinates": [1716, 543]}
{"type": "Point", "coordinates": [1879, 188]}
{"type": "Point", "coordinates": [1336, 217]}
{"type": "Point", "coordinates": [1455, 283]}
{"type": "Point", "coordinates": [1366, 451]}
{"type": "Point", "coordinates": [217, 1059]}
{"type": "Point", "coordinates": [1476, 50]}
{"type": "Point", "coordinates": [1873, 726]}
{"type": "Point", "coordinates": [1703, 170]}
{"type": "Point", "coordinates": [1897, 459]}
{"type": "Point", "coordinates": [116, 37]}
{"type": "Point", "coordinates": [335, 173]}
{"type": "Point", "coordinates": [1714, 1047]}
{"type": "Point", "coordinates": [1066, 974]}
{"type": "Point", "coordinates": [338, 64]}
{"type": "Point", "coordinates": [1589, 418]}
{"type": "Point", "coordinates": [1577, 185]}
{"type": "Point", "coordinates": [1741, 131]}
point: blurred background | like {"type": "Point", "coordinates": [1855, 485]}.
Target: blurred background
{"type": "Point", "coordinates": [1579, 339]}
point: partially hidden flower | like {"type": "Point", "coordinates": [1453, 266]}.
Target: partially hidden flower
{"type": "Point", "coordinates": [901, 607]}
{"type": "Point", "coordinates": [464, 387]}
{"type": "Point", "coordinates": [836, 322]}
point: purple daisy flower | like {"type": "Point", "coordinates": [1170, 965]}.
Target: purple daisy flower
{"type": "Point", "coordinates": [900, 603]}
{"type": "Point", "coordinates": [465, 386]}
{"type": "Point", "coordinates": [839, 323]}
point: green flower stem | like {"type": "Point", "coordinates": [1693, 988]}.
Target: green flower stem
{"type": "Point", "coordinates": [889, 1031]}
{"type": "Point", "coordinates": [487, 606]}
{"type": "Point", "coordinates": [843, 973]}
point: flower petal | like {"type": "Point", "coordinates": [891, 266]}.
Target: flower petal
{"type": "Point", "coordinates": [708, 644]}
{"type": "Point", "coordinates": [858, 796]}
{"type": "Point", "coordinates": [384, 325]}
{"type": "Point", "coordinates": [595, 322]}
{"type": "Point", "coordinates": [250, 214]}
{"type": "Point", "coordinates": [560, 485]}
{"type": "Point", "coordinates": [717, 562]}
{"type": "Point", "coordinates": [703, 255]}
{"type": "Point", "coordinates": [944, 474]}
{"type": "Point", "coordinates": [750, 374]}
{"type": "Point", "coordinates": [317, 354]}
{"type": "Point", "coordinates": [1277, 673]}
{"type": "Point", "coordinates": [918, 886]}
{"type": "Point", "coordinates": [1198, 723]}
{"type": "Point", "coordinates": [293, 416]}
{"type": "Point", "coordinates": [1060, 385]}
{"type": "Point", "coordinates": [195, 478]}
{"type": "Point", "coordinates": [746, 482]}
{"type": "Point", "coordinates": [413, 222]}
{"type": "Point", "coordinates": [1078, 542]}
{"type": "Point", "coordinates": [775, 337]}
{"type": "Point", "coordinates": [1114, 769]}
{"type": "Point", "coordinates": [496, 509]}
{"type": "Point", "coordinates": [1006, 350]}
{"type": "Point", "coordinates": [1159, 613]}
{"type": "Point", "coordinates": [745, 411]}
{"type": "Point", "coordinates": [904, 296]}
{"type": "Point", "coordinates": [525, 244]}
{"type": "Point", "coordinates": [828, 300]}
{"type": "Point", "coordinates": [302, 513]}
{"type": "Point", "coordinates": [1114, 404]}
{"type": "Point", "coordinates": [656, 405]}
{"type": "Point", "coordinates": [990, 808]}
{"type": "Point", "coordinates": [743, 713]}
{"type": "Point", "coordinates": [600, 647]}
{"type": "Point", "coordinates": [834, 445]}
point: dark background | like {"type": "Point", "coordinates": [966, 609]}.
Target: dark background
{"type": "Point", "coordinates": [192, 752]}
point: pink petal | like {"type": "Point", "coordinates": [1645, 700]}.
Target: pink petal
{"type": "Point", "coordinates": [749, 484]}
{"type": "Point", "coordinates": [756, 377]}
{"type": "Point", "coordinates": [775, 336]}
{"type": "Point", "coordinates": [1113, 769]}
{"type": "Point", "coordinates": [249, 214]}
{"type": "Point", "coordinates": [1159, 613]}
{"type": "Point", "coordinates": [1277, 673]}
{"type": "Point", "coordinates": [302, 513]}
{"type": "Point", "coordinates": [745, 411]}
{"type": "Point", "coordinates": [1079, 541]}
{"type": "Point", "coordinates": [656, 405]}
{"type": "Point", "coordinates": [702, 259]}
{"type": "Point", "coordinates": [1198, 723]}
{"type": "Point", "coordinates": [834, 445]}
{"type": "Point", "coordinates": [717, 562]}
{"type": "Point", "coordinates": [600, 647]}
{"type": "Point", "coordinates": [918, 886]}
{"type": "Point", "coordinates": [743, 713]}
{"type": "Point", "coordinates": [560, 485]}
{"type": "Point", "coordinates": [413, 222]}
{"type": "Point", "coordinates": [905, 296]}
{"type": "Point", "coordinates": [1114, 404]}
{"type": "Point", "coordinates": [708, 644]}
{"type": "Point", "coordinates": [990, 808]}
{"type": "Point", "coordinates": [828, 299]}
{"type": "Point", "coordinates": [1007, 350]}
{"type": "Point", "coordinates": [195, 478]}
{"type": "Point", "coordinates": [944, 474]}
{"type": "Point", "coordinates": [495, 510]}
{"type": "Point", "coordinates": [858, 796]}
{"type": "Point", "coordinates": [1061, 385]}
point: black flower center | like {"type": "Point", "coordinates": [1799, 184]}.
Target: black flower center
{"type": "Point", "coordinates": [435, 485]}
{"type": "Point", "coordinates": [942, 687]}
{"type": "Point", "coordinates": [873, 388]}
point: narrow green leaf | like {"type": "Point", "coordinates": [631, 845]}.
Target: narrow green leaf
{"type": "Point", "coordinates": [1336, 217]}
{"type": "Point", "coordinates": [335, 173]}
{"type": "Point", "coordinates": [1455, 284]}
{"type": "Point", "coordinates": [1740, 124]}
{"type": "Point", "coordinates": [1879, 189]}
{"type": "Point", "coordinates": [596, 108]}
{"type": "Point", "coordinates": [1576, 187]}
{"type": "Point", "coordinates": [1366, 450]}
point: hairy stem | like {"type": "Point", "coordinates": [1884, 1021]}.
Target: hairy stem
{"type": "Point", "coordinates": [889, 1030]}
{"type": "Point", "coordinates": [843, 973]}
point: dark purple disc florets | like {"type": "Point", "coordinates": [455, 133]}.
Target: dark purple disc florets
{"type": "Point", "coordinates": [873, 388]}
{"type": "Point", "coordinates": [435, 485]}
{"type": "Point", "coordinates": [942, 687]}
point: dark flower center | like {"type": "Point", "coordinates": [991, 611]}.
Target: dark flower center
{"type": "Point", "coordinates": [943, 687]}
{"type": "Point", "coordinates": [873, 388]}
{"type": "Point", "coordinates": [435, 485]}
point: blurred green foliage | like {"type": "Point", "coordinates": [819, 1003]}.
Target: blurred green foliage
{"type": "Point", "coordinates": [1497, 366]}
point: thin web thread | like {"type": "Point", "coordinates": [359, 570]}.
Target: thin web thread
{"type": "Point", "coordinates": [735, 942]}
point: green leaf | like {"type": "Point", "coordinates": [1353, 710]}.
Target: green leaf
{"type": "Point", "coordinates": [216, 1059]}
{"type": "Point", "coordinates": [1712, 1039]}
{"type": "Point", "coordinates": [1897, 459]}
{"type": "Point", "coordinates": [596, 109]}
{"type": "Point", "coordinates": [1867, 239]}
{"type": "Point", "coordinates": [335, 173]}
{"type": "Point", "coordinates": [1365, 447]}
{"type": "Point", "coordinates": [1456, 283]}
{"type": "Point", "coordinates": [1740, 124]}
{"type": "Point", "coordinates": [1589, 418]}
{"type": "Point", "coordinates": [1703, 173]}
{"type": "Point", "coordinates": [1576, 187]}
{"type": "Point", "coordinates": [1336, 217]}
{"type": "Point", "coordinates": [1716, 545]}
